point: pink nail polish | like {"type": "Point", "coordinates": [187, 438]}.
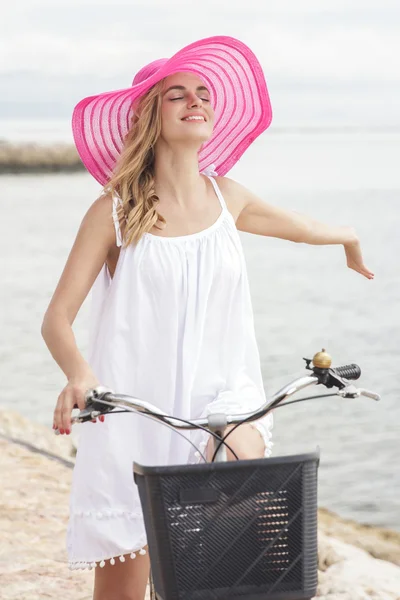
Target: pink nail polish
{"type": "Point", "coordinates": [101, 418]}
{"type": "Point", "coordinates": [61, 431]}
{"type": "Point", "coordinates": [67, 431]}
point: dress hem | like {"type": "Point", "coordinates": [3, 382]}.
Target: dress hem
{"type": "Point", "coordinates": [89, 565]}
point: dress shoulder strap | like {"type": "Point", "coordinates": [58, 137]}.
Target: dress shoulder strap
{"type": "Point", "coordinates": [218, 192]}
{"type": "Point", "coordinates": [118, 235]}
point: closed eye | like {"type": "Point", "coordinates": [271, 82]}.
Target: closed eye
{"type": "Point", "coordinates": [181, 98]}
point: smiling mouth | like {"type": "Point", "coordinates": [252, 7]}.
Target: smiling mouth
{"type": "Point", "coordinates": [194, 119]}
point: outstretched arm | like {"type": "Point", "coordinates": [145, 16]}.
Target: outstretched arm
{"type": "Point", "coordinates": [259, 217]}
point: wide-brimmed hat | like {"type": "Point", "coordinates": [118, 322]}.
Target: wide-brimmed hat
{"type": "Point", "coordinates": [239, 97]}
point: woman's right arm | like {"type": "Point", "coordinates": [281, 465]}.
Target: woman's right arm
{"type": "Point", "coordinates": [95, 238]}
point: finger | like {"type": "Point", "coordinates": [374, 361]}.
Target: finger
{"type": "Point", "coordinates": [367, 273]}
{"type": "Point", "coordinates": [57, 411]}
{"type": "Point", "coordinates": [362, 270]}
{"type": "Point", "coordinates": [66, 410]}
{"type": "Point", "coordinates": [100, 418]}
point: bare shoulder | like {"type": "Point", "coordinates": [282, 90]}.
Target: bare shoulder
{"type": "Point", "coordinates": [98, 219]}
{"type": "Point", "coordinates": [235, 195]}
{"type": "Point", "coordinates": [100, 211]}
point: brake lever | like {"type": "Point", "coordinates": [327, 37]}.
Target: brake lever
{"type": "Point", "coordinates": [86, 414]}
{"type": "Point", "coordinates": [370, 394]}
{"type": "Point", "coordinates": [350, 391]}
{"type": "Point", "coordinates": [94, 407]}
{"type": "Point", "coordinates": [93, 398]}
{"type": "Point", "coordinates": [83, 416]}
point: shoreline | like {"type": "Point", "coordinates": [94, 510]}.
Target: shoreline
{"type": "Point", "coordinates": [37, 438]}
{"type": "Point", "coordinates": [30, 157]}
{"type": "Point", "coordinates": [355, 561]}
{"type": "Point", "coordinates": [41, 157]}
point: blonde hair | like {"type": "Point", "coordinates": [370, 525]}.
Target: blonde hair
{"type": "Point", "coordinates": [133, 178]}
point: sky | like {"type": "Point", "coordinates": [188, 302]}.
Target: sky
{"type": "Point", "coordinates": [326, 63]}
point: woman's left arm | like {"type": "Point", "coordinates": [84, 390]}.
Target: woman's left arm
{"type": "Point", "coordinates": [259, 217]}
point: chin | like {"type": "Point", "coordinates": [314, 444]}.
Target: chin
{"type": "Point", "coordinates": [201, 139]}
{"type": "Point", "coordinates": [200, 136]}
{"type": "Point", "coordinates": [190, 140]}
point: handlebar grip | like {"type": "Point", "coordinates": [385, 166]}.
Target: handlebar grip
{"type": "Point", "coordinates": [348, 371]}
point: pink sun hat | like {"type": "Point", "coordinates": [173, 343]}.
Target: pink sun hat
{"type": "Point", "coordinates": [239, 97]}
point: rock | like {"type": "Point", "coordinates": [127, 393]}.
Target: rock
{"type": "Point", "coordinates": [13, 425]}
{"type": "Point", "coordinates": [355, 575]}
{"type": "Point", "coordinates": [326, 553]}
{"type": "Point", "coordinates": [28, 157]}
{"type": "Point", "coordinates": [356, 562]}
{"type": "Point", "coordinates": [33, 518]}
{"type": "Point", "coordinates": [377, 541]}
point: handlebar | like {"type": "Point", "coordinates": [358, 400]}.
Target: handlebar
{"type": "Point", "coordinates": [102, 400]}
{"type": "Point", "coordinates": [349, 371]}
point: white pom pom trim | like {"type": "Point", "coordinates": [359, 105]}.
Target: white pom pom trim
{"type": "Point", "coordinates": [82, 565]}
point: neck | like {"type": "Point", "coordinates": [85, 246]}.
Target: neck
{"type": "Point", "coordinates": [176, 173]}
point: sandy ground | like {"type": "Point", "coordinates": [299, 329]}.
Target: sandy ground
{"type": "Point", "coordinates": [33, 518]}
{"type": "Point", "coordinates": [356, 562]}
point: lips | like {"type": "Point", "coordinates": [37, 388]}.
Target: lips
{"type": "Point", "coordinates": [194, 117]}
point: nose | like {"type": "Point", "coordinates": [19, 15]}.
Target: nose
{"type": "Point", "coordinates": [194, 100]}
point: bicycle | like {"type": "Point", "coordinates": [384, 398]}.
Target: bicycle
{"type": "Point", "coordinates": [225, 530]}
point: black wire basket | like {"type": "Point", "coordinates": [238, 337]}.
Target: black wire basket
{"type": "Point", "coordinates": [236, 530]}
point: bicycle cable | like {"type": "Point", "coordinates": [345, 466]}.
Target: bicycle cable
{"type": "Point", "coordinates": [278, 406]}
{"type": "Point", "coordinates": [221, 441]}
{"type": "Point", "coordinates": [305, 398]}
{"type": "Point", "coordinates": [215, 435]}
{"type": "Point", "coordinates": [161, 418]}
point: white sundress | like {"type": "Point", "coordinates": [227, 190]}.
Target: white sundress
{"type": "Point", "coordinates": [174, 327]}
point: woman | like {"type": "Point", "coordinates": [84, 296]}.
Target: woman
{"type": "Point", "coordinates": [172, 320]}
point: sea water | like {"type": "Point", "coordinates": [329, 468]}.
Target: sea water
{"type": "Point", "coordinates": [304, 298]}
